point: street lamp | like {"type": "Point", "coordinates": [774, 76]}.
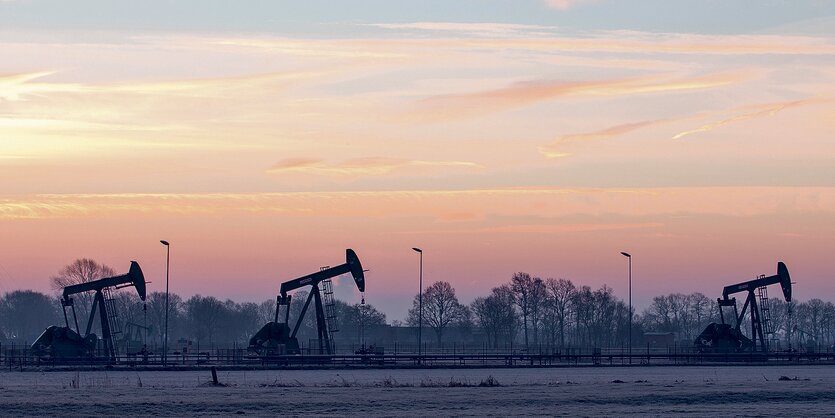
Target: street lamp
{"type": "Point", "coordinates": [165, 341]}
{"type": "Point", "coordinates": [420, 305]}
{"type": "Point", "coordinates": [629, 256]}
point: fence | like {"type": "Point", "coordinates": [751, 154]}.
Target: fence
{"type": "Point", "coordinates": [21, 357]}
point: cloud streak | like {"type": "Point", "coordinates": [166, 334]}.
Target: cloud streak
{"type": "Point", "coordinates": [24, 85]}
{"type": "Point", "coordinates": [508, 202]}
{"type": "Point", "coordinates": [362, 166]}
{"type": "Point", "coordinates": [642, 42]}
{"type": "Point", "coordinates": [567, 4]}
{"type": "Point", "coordinates": [767, 110]}
{"type": "Point", "coordinates": [455, 106]}
{"type": "Point", "coordinates": [555, 148]}
{"type": "Point", "coordinates": [479, 29]}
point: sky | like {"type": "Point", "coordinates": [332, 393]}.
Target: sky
{"type": "Point", "coordinates": [263, 138]}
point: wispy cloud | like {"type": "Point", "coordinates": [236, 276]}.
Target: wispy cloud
{"type": "Point", "coordinates": [567, 4]}
{"type": "Point", "coordinates": [15, 87]}
{"type": "Point", "coordinates": [764, 110]}
{"type": "Point", "coordinates": [557, 228]}
{"type": "Point", "coordinates": [88, 111]}
{"type": "Point", "coordinates": [665, 43]}
{"type": "Point", "coordinates": [456, 106]}
{"type": "Point", "coordinates": [481, 29]}
{"type": "Point", "coordinates": [362, 166]}
{"type": "Point", "coordinates": [556, 148]}
{"type": "Point", "coordinates": [457, 37]}
{"type": "Point", "coordinates": [444, 205]}
{"type": "Point", "coordinates": [340, 49]}
{"type": "Point", "coordinates": [19, 86]}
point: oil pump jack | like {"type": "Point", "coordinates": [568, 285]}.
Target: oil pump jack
{"type": "Point", "coordinates": [729, 338]}
{"type": "Point", "coordinates": [276, 338]}
{"type": "Point", "coordinates": [63, 342]}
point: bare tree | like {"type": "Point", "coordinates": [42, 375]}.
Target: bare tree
{"type": "Point", "coordinates": [156, 317]}
{"type": "Point", "coordinates": [81, 270]}
{"type": "Point", "coordinates": [702, 312]}
{"type": "Point", "coordinates": [560, 293]}
{"type": "Point", "coordinates": [243, 322]}
{"type": "Point", "coordinates": [25, 314]}
{"type": "Point", "coordinates": [440, 308]}
{"type": "Point", "coordinates": [603, 322]}
{"type": "Point", "coordinates": [537, 301]}
{"type": "Point", "coordinates": [496, 315]}
{"type": "Point", "coordinates": [203, 316]}
{"type": "Point", "coordinates": [129, 308]}
{"type": "Point", "coordinates": [811, 318]}
{"type": "Point", "coordinates": [659, 315]}
{"type": "Point", "coordinates": [583, 308]}
{"type": "Point", "coordinates": [684, 315]}
{"type": "Point", "coordinates": [780, 316]}
{"type": "Point", "coordinates": [522, 285]}
{"type": "Point", "coordinates": [354, 319]}
{"type": "Point", "coordinates": [828, 323]}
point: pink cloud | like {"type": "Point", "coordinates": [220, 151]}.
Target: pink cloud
{"type": "Point", "coordinates": [456, 106]}
{"type": "Point", "coordinates": [362, 166]}
{"type": "Point", "coordinates": [766, 110]}
{"type": "Point", "coordinates": [566, 4]}
{"type": "Point", "coordinates": [555, 148]}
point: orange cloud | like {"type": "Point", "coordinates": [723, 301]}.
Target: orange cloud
{"type": "Point", "coordinates": [455, 106]}
{"type": "Point", "coordinates": [460, 216]}
{"type": "Point", "coordinates": [21, 86]}
{"type": "Point", "coordinates": [641, 42]}
{"type": "Point", "coordinates": [360, 166]}
{"type": "Point", "coordinates": [554, 149]}
{"type": "Point", "coordinates": [509, 203]}
{"type": "Point", "coordinates": [506, 37]}
{"type": "Point", "coordinates": [766, 110]}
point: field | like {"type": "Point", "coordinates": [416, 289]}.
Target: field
{"type": "Point", "coordinates": [582, 391]}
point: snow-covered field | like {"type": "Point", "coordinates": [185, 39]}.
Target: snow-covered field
{"type": "Point", "coordinates": [600, 391]}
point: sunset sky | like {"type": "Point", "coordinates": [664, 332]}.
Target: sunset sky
{"type": "Point", "coordinates": [262, 138]}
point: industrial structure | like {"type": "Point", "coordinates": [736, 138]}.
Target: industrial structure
{"type": "Point", "coordinates": [277, 338]}
{"type": "Point", "coordinates": [725, 337]}
{"type": "Point", "coordinates": [64, 342]}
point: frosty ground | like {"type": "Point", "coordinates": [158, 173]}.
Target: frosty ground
{"type": "Point", "coordinates": [586, 391]}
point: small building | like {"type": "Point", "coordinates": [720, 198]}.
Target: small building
{"type": "Point", "coordinates": [659, 339]}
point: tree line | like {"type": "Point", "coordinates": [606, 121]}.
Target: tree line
{"type": "Point", "coordinates": [198, 320]}
{"type": "Point", "coordinates": [526, 311]}
{"type": "Point", "coordinates": [550, 312]}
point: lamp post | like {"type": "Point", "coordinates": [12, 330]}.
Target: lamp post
{"type": "Point", "coordinates": [420, 306]}
{"type": "Point", "coordinates": [165, 341]}
{"type": "Point", "coordinates": [629, 256]}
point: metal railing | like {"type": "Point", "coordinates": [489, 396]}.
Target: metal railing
{"type": "Point", "coordinates": [22, 358]}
